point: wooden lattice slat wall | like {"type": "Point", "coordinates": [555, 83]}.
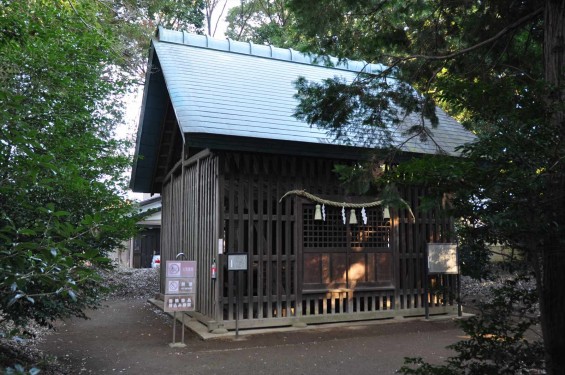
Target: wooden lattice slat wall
{"type": "Point", "coordinates": [255, 222]}
{"type": "Point", "coordinates": [428, 226]}
{"type": "Point", "coordinates": [299, 270]}
{"type": "Point", "coordinates": [190, 217]}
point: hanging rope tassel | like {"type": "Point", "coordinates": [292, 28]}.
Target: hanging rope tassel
{"type": "Point", "coordinates": [326, 202]}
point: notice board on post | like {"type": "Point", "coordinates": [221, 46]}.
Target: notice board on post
{"type": "Point", "coordinates": [180, 285]}
{"type": "Point", "coordinates": [237, 262]}
{"type": "Point", "coordinates": [442, 258]}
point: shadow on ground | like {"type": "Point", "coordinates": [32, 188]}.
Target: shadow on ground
{"type": "Point", "coordinates": [132, 337]}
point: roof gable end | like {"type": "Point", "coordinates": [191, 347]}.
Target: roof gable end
{"type": "Point", "coordinates": [226, 94]}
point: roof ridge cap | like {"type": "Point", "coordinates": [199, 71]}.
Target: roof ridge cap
{"type": "Point", "coordinates": [262, 50]}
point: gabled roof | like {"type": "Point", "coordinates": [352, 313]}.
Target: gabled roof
{"type": "Point", "coordinates": [154, 219]}
{"type": "Point", "coordinates": [228, 94]}
{"type": "Point", "coordinates": [153, 203]}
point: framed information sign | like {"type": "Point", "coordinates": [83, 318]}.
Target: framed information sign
{"type": "Point", "coordinates": [237, 262]}
{"type": "Point", "coordinates": [181, 268]}
{"type": "Point", "coordinates": [442, 258]}
{"type": "Point", "coordinates": [180, 285]}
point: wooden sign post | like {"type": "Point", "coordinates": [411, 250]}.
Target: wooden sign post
{"type": "Point", "coordinates": [237, 262]}
{"type": "Point", "coordinates": [180, 292]}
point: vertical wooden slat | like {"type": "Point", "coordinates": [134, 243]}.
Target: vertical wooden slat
{"type": "Point", "coordinates": [271, 202]}
{"type": "Point", "coordinates": [403, 254]}
{"type": "Point", "coordinates": [410, 282]}
{"type": "Point", "coordinates": [278, 251]}
{"type": "Point", "coordinates": [204, 221]}
{"type": "Point", "coordinates": [317, 306]}
{"type": "Point", "coordinates": [198, 209]}
{"type": "Point", "coordinates": [299, 257]}
{"type": "Point", "coordinates": [231, 245]}
{"type": "Point", "coordinates": [416, 249]}
{"type": "Point", "coordinates": [358, 302]}
{"type": "Point", "coordinates": [241, 240]}
{"type": "Point", "coordinates": [213, 233]}
{"type": "Point", "coordinates": [183, 218]}
{"type": "Point", "coordinates": [427, 231]}
{"type": "Point", "coordinates": [198, 224]}
{"type": "Point", "coordinates": [218, 234]}
{"type": "Point", "coordinates": [260, 246]}
{"type": "Point", "coordinates": [395, 247]}
{"type": "Point", "coordinates": [201, 223]}
{"type": "Point", "coordinates": [287, 252]}
{"type": "Point", "coordinates": [249, 246]}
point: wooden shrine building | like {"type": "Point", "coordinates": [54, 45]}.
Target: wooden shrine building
{"type": "Point", "coordinates": [217, 139]}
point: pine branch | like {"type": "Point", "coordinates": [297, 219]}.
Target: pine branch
{"type": "Point", "coordinates": [463, 51]}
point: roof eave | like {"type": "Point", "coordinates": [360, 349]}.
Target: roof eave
{"type": "Point", "coordinates": [152, 110]}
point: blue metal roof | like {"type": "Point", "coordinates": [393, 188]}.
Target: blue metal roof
{"type": "Point", "coordinates": [237, 89]}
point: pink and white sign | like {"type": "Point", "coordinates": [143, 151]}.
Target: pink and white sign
{"type": "Point", "coordinates": [180, 285]}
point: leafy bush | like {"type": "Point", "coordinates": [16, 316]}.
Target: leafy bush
{"type": "Point", "coordinates": [500, 338]}
{"type": "Point", "coordinates": [61, 171]}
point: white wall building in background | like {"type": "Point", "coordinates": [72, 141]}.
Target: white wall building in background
{"type": "Point", "coordinates": [138, 251]}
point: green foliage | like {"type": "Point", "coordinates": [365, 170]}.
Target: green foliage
{"type": "Point", "coordinates": [499, 338]}
{"type": "Point", "coordinates": [136, 21]}
{"type": "Point", "coordinates": [482, 62]}
{"type": "Point", "coordinates": [61, 172]}
{"type": "Point", "coordinates": [264, 22]}
{"type": "Point", "coordinates": [498, 190]}
{"type": "Point", "coordinates": [497, 66]}
{"type": "Point", "coordinates": [414, 36]}
{"type": "Point", "coordinates": [342, 108]}
{"type": "Point", "coordinates": [174, 14]}
{"type": "Point", "coordinates": [355, 178]}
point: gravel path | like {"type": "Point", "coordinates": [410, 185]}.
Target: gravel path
{"type": "Point", "coordinates": [125, 284]}
{"type": "Point", "coordinates": [131, 337]}
{"type": "Point", "coordinates": [127, 335]}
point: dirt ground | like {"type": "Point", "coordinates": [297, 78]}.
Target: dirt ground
{"type": "Point", "coordinates": [131, 336]}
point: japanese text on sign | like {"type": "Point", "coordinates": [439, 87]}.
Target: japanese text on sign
{"type": "Point", "coordinates": [180, 285]}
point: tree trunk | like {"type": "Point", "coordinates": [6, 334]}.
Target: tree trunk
{"type": "Point", "coordinates": [552, 304]}
{"type": "Point", "coordinates": [551, 281]}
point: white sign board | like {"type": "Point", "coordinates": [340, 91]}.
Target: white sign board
{"type": "Point", "coordinates": [179, 302]}
{"type": "Point", "coordinates": [237, 262]}
{"type": "Point", "coordinates": [442, 258]}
